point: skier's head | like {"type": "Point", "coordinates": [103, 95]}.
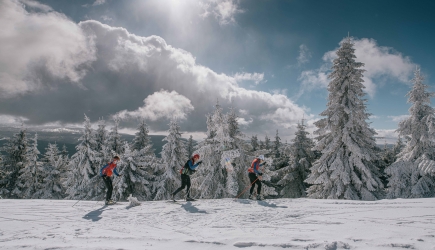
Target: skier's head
{"type": "Point", "coordinates": [195, 157]}
{"type": "Point", "coordinates": [261, 157]}
{"type": "Point", "coordinates": [116, 158]}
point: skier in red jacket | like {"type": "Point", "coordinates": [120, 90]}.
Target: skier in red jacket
{"type": "Point", "coordinates": [255, 176]}
{"type": "Point", "coordinates": [106, 172]}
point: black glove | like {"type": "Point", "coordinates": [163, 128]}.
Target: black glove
{"type": "Point", "coordinates": [199, 162]}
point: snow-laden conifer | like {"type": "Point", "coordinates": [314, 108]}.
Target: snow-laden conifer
{"type": "Point", "coordinates": [133, 179]}
{"type": "Point", "coordinates": [190, 146]}
{"type": "Point", "coordinates": [224, 166]}
{"type": "Point", "coordinates": [267, 145]}
{"type": "Point", "coordinates": [115, 141]}
{"type": "Point", "coordinates": [102, 145]}
{"type": "Point", "coordinates": [16, 149]}
{"type": "Point", "coordinates": [174, 156]}
{"type": "Point", "coordinates": [254, 143]}
{"type": "Point", "coordinates": [31, 175]}
{"type": "Point", "coordinates": [142, 140]}
{"type": "Point", "coordinates": [277, 145]}
{"type": "Point", "coordinates": [54, 169]}
{"type": "Point", "coordinates": [83, 180]}
{"type": "Point", "coordinates": [411, 175]}
{"type": "Point", "coordinates": [301, 157]}
{"type": "Point", "coordinates": [346, 168]}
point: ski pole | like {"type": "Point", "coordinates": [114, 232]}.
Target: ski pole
{"type": "Point", "coordinates": [246, 189]}
{"type": "Point", "coordinates": [77, 202]}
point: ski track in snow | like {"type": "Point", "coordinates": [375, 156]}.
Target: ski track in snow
{"type": "Point", "coordinates": [219, 224]}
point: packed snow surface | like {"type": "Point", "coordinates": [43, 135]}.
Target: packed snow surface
{"type": "Point", "coordinates": [218, 224]}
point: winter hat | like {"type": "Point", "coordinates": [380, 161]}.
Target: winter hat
{"type": "Point", "coordinates": [261, 157]}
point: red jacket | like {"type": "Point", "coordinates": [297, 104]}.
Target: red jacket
{"type": "Point", "coordinates": [255, 165]}
{"type": "Point", "coordinates": [109, 169]}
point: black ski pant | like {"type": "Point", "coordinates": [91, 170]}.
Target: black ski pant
{"type": "Point", "coordinates": [108, 182]}
{"type": "Point", "coordinates": [253, 177]}
{"type": "Point", "coordinates": [185, 181]}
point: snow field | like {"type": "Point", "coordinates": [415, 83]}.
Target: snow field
{"type": "Point", "coordinates": [218, 224]}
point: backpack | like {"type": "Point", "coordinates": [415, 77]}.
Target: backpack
{"type": "Point", "coordinates": [186, 169]}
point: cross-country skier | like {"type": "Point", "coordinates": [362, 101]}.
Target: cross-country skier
{"type": "Point", "coordinates": [255, 176]}
{"type": "Point", "coordinates": [186, 171]}
{"type": "Point", "coordinates": [106, 172]}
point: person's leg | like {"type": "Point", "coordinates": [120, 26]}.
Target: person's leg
{"type": "Point", "coordinates": [110, 190]}
{"type": "Point", "coordinates": [188, 186]}
{"type": "Point", "coordinates": [183, 184]}
{"type": "Point", "coordinates": [107, 184]}
{"type": "Point", "coordinates": [252, 178]}
{"type": "Point", "coordinates": [258, 187]}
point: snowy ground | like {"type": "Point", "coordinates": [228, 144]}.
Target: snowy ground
{"type": "Point", "coordinates": [219, 224]}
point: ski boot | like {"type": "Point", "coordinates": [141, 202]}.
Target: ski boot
{"type": "Point", "coordinates": [260, 197]}
{"type": "Point", "coordinates": [110, 202]}
{"type": "Point", "coordinates": [173, 197]}
{"type": "Point", "coordinates": [252, 197]}
{"type": "Point", "coordinates": [190, 199]}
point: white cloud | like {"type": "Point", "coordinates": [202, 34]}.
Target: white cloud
{"type": "Point", "coordinates": [32, 44]}
{"type": "Point", "coordinates": [162, 104]}
{"type": "Point", "coordinates": [11, 120]}
{"type": "Point", "coordinates": [223, 10]}
{"type": "Point", "coordinates": [304, 54]}
{"type": "Point", "coordinates": [379, 62]}
{"type": "Point", "coordinates": [255, 77]}
{"type": "Point", "coordinates": [398, 118]}
{"type": "Point", "coordinates": [99, 2]}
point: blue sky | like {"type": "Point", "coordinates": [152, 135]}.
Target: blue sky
{"type": "Point", "coordinates": [277, 47]}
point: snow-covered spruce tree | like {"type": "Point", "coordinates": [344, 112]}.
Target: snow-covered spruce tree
{"type": "Point", "coordinates": [301, 157]}
{"type": "Point", "coordinates": [115, 141]}
{"type": "Point", "coordinates": [190, 146]}
{"type": "Point", "coordinates": [261, 145]}
{"type": "Point", "coordinates": [142, 140]}
{"type": "Point", "coordinates": [267, 145]}
{"type": "Point", "coordinates": [16, 156]}
{"type": "Point", "coordinates": [83, 180]}
{"type": "Point", "coordinates": [102, 148]}
{"type": "Point", "coordinates": [53, 168]}
{"type": "Point", "coordinates": [346, 169]}
{"type": "Point", "coordinates": [31, 175]}
{"type": "Point", "coordinates": [411, 175]}
{"type": "Point", "coordinates": [277, 145]}
{"type": "Point", "coordinates": [133, 179]}
{"type": "Point", "coordinates": [254, 143]}
{"type": "Point", "coordinates": [174, 157]}
{"type": "Point", "coordinates": [224, 166]}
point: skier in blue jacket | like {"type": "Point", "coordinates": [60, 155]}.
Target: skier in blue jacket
{"type": "Point", "coordinates": [186, 171]}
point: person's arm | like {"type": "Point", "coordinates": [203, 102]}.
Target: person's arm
{"type": "Point", "coordinates": [193, 166]}
{"type": "Point", "coordinates": [115, 171]}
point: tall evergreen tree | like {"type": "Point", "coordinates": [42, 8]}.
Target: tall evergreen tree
{"type": "Point", "coordinates": [223, 171]}
{"type": "Point", "coordinates": [411, 175]}
{"type": "Point", "coordinates": [115, 141]}
{"type": "Point", "coordinates": [142, 139]}
{"type": "Point", "coordinates": [254, 143]}
{"type": "Point", "coordinates": [277, 145]}
{"type": "Point", "coordinates": [53, 169]}
{"type": "Point", "coordinates": [267, 143]}
{"type": "Point", "coordinates": [83, 181]}
{"type": "Point", "coordinates": [102, 148]}
{"type": "Point", "coordinates": [30, 179]}
{"type": "Point", "coordinates": [346, 169]}
{"type": "Point", "coordinates": [174, 156]}
{"type": "Point", "coordinates": [16, 149]}
{"type": "Point", "coordinates": [301, 159]}
{"type": "Point", "coordinates": [134, 178]}
{"type": "Point", "coordinates": [190, 147]}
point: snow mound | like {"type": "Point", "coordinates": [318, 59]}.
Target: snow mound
{"type": "Point", "coordinates": [133, 201]}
